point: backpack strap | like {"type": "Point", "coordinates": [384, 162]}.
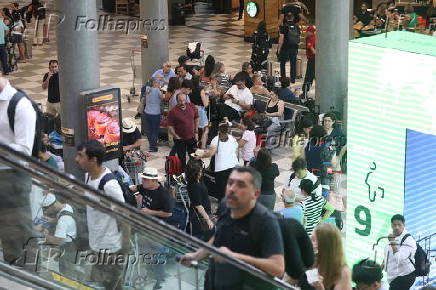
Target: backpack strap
{"type": "Point", "coordinates": [105, 179]}
{"type": "Point", "coordinates": [291, 177]}
{"type": "Point", "coordinates": [68, 213]}
{"type": "Point", "coordinates": [256, 221]}
{"type": "Point", "coordinates": [12, 108]}
{"type": "Point", "coordinates": [404, 238]}
{"type": "Point", "coordinates": [317, 183]}
{"type": "Point", "coordinates": [401, 243]}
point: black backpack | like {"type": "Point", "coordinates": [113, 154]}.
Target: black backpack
{"type": "Point", "coordinates": [294, 265]}
{"type": "Point", "coordinates": [37, 142]}
{"type": "Point", "coordinates": [82, 235]}
{"type": "Point", "coordinates": [422, 264]}
{"type": "Point", "coordinates": [129, 198]}
{"type": "Point", "coordinates": [293, 37]}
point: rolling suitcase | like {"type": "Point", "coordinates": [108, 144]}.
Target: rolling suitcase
{"type": "Point", "coordinates": [299, 68]}
{"type": "Point", "coordinates": [28, 46]}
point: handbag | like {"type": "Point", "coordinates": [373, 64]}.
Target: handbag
{"type": "Point", "coordinates": [209, 175]}
{"type": "Point", "coordinates": [201, 220]}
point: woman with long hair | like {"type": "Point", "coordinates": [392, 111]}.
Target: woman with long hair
{"type": "Point", "coordinates": [260, 48]}
{"type": "Point", "coordinates": [209, 65]}
{"type": "Point", "coordinates": [200, 210]}
{"type": "Point", "coordinates": [220, 71]}
{"type": "Point", "coordinates": [269, 172]}
{"type": "Point", "coordinates": [173, 86]}
{"type": "Point", "coordinates": [301, 138]}
{"type": "Point", "coordinates": [274, 111]}
{"type": "Point", "coordinates": [330, 261]}
{"type": "Point", "coordinates": [224, 148]}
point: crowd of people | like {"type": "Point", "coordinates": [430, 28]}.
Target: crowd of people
{"type": "Point", "coordinates": [210, 114]}
{"type": "Point", "coordinates": [15, 23]}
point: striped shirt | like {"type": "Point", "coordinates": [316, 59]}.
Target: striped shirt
{"type": "Point", "coordinates": [312, 212]}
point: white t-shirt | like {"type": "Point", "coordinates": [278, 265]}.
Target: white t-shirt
{"type": "Point", "coordinates": [295, 183]}
{"type": "Point", "coordinates": [103, 229]}
{"type": "Point", "coordinates": [66, 226]}
{"type": "Point", "coordinates": [17, 27]}
{"type": "Point", "coordinates": [225, 157]}
{"type": "Point", "coordinates": [243, 95]}
{"type": "Point", "coordinates": [248, 149]}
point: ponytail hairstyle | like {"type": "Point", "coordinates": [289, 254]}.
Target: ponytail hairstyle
{"type": "Point", "coordinates": [223, 132]}
{"type": "Point", "coordinates": [306, 185]}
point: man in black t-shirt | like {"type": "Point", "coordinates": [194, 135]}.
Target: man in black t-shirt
{"type": "Point", "coordinates": [151, 196]}
{"type": "Point", "coordinates": [153, 199]}
{"type": "Point", "coordinates": [131, 135]}
{"type": "Point", "coordinates": [234, 236]}
{"type": "Point", "coordinates": [51, 82]}
{"type": "Point", "coordinates": [289, 39]}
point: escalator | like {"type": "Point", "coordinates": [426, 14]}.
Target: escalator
{"type": "Point", "coordinates": [151, 248]}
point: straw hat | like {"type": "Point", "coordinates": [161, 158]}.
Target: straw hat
{"type": "Point", "coordinates": [129, 125]}
{"type": "Point", "coordinates": [149, 173]}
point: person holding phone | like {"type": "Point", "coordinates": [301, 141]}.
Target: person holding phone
{"type": "Point", "coordinates": [50, 82]}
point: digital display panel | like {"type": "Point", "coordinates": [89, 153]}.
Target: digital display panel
{"type": "Point", "coordinates": [103, 120]}
{"type": "Point", "coordinates": [391, 118]}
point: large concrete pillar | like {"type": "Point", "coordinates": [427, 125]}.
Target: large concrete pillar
{"type": "Point", "coordinates": [154, 51]}
{"type": "Point", "coordinates": [79, 68]}
{"type": "Point", "coordinates": [333, 25]}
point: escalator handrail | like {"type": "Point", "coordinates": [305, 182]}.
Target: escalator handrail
{"type": "Point", "coordinates": [124, 212]}
{"type": "Point", "coordinates": [28, 279]}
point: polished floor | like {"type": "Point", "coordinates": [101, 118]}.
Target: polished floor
{"type": "Point", "coordinates": [220, 35]}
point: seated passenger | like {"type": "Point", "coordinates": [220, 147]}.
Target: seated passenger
{"type": "Point", "coordinates": [238, 99]}
{"type": "Point", "coordinates": [258, 87]}
{"type": "Point", "coordinates": [274, 111]}
{"type": "Point", "coordinates": [247, 74]}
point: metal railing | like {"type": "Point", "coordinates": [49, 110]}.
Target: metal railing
{"type": "Point", "coordinates": [75, 190]}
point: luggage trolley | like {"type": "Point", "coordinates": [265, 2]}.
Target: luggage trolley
{"type": "Point", "coordinates": [134, 162]}
{"type": "Point", "coordinates": [135, 68]}
{"type": "Point", "coordinates": [194, 51]}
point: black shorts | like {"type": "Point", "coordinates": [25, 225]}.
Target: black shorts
{"type": "Point", "coordinates": [17, 38]}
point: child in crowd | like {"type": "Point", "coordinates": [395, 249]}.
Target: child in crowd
{"type": "Point", "coordinates": [248, 140]}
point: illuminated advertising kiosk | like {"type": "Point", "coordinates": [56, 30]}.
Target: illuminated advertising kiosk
{"type": "Point", "coordinates": [103, 119]}
{"type": "Point", "coordinates": [391, 142]}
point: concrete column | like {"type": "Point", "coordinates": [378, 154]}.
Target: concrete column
{"type": "Point", "coordinates": [79, 68]}
{"type": "Point", "coordinates": [155, 52]}
{"type": "Point", "coordinates": [333, 25]}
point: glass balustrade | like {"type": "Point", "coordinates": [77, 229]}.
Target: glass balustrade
{"type": "Point", "coordinates": [51, 239]}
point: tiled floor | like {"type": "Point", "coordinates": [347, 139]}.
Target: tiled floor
{"type": "Point", "coordinates": [220, 35]}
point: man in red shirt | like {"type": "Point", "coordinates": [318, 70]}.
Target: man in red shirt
{"type": "Point", "coordinates": [310, 53]}
{"type": "Point", "coordinates": [183, 125]}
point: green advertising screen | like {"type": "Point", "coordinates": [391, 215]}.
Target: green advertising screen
{"type": "Point", "coordinates": [392, 91]}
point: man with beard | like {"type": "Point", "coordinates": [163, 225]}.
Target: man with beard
{"type": "Point", "coordinates": [233, 236]}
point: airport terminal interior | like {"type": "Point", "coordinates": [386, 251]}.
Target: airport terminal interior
{"type": "Point", "coordinates": [151, 138]}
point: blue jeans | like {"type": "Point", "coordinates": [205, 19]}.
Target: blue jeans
{"type": "Point", "coordinates": [153, 123]}
{"type": "Point", "coordinates": [4, 59]}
